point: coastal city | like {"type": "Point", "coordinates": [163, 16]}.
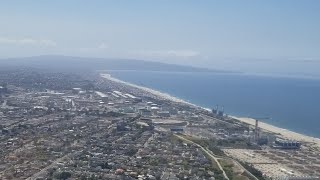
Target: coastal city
{"type": "Point", "coordinates": [160, 90]}
{"type": "Point", "coordinates": [93, 126]}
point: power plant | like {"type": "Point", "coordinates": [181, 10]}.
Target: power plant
{"type": "Point", "coordinates": [218, 112]}
{"type": "Point", "coordinates": [257, 128]}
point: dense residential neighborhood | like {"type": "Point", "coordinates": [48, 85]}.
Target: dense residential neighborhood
{"type": "Point", "coordinates": [90, 126]}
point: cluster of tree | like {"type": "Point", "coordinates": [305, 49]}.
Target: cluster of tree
{"type": "Point", "coordinates": [228, 170]}
{"type": "Point", "coordinates": [253, 171]}
{"type": "Point", "coordinates": [131, 151]}
{"type": "Point", "coordinates": [63, 175]}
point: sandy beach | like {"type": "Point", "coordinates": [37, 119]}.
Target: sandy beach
{"type": "Point", "coordinates": [152, 91]}
{"type": "Point", "coordinates": [283, 132]}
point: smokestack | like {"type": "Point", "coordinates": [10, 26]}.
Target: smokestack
{"type": "Point", "coordinates": [256, 130]}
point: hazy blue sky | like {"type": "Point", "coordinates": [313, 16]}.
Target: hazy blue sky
{"type": "Point", "coordinates": [243, 35]}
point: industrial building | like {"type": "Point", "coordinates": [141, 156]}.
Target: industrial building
{"type": "Point", "coordinates": [286, 144]}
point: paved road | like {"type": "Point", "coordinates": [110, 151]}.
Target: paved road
{"type": "Point", "coordinates": [215, 157]}
{"type": "Point", "coordinates": [34, 176]}
{"type": "Point", "coordinates": [207, 152]}
{"type": "Point", "coordinates": [215, 119]}
{"type": "Point", "coordinates": [236, 162]}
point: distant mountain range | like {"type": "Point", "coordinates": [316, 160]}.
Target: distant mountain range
{"type": "Point", "coordinates": [69, 63]}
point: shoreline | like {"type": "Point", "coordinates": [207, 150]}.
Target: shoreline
{"type": "Point", "coordinates": [152, 91]}
{"type": "Point", "coordinates": [285, 133]}
{"type": "Point", "coordinates": [265, 126]}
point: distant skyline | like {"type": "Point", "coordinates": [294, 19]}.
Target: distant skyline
{"type": "Point", "coordinates": [255, 36]}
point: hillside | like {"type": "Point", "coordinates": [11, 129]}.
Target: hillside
{"type": "Point", "coordinates": [68, 63]}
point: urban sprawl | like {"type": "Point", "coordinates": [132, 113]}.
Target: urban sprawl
{"type": "Point", "coordinates": [88, 126]}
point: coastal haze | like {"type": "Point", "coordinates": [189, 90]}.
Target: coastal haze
{"type": "Point", "coordinates": [161, 90]}
{"type": "Point", "coordinates": [256, 37]}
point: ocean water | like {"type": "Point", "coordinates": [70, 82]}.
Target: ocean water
{"type": "Point", "coordinates": [290, 103]}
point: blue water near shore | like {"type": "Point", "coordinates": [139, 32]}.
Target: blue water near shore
{"type": "Point", "coordinates": [291, 103]}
